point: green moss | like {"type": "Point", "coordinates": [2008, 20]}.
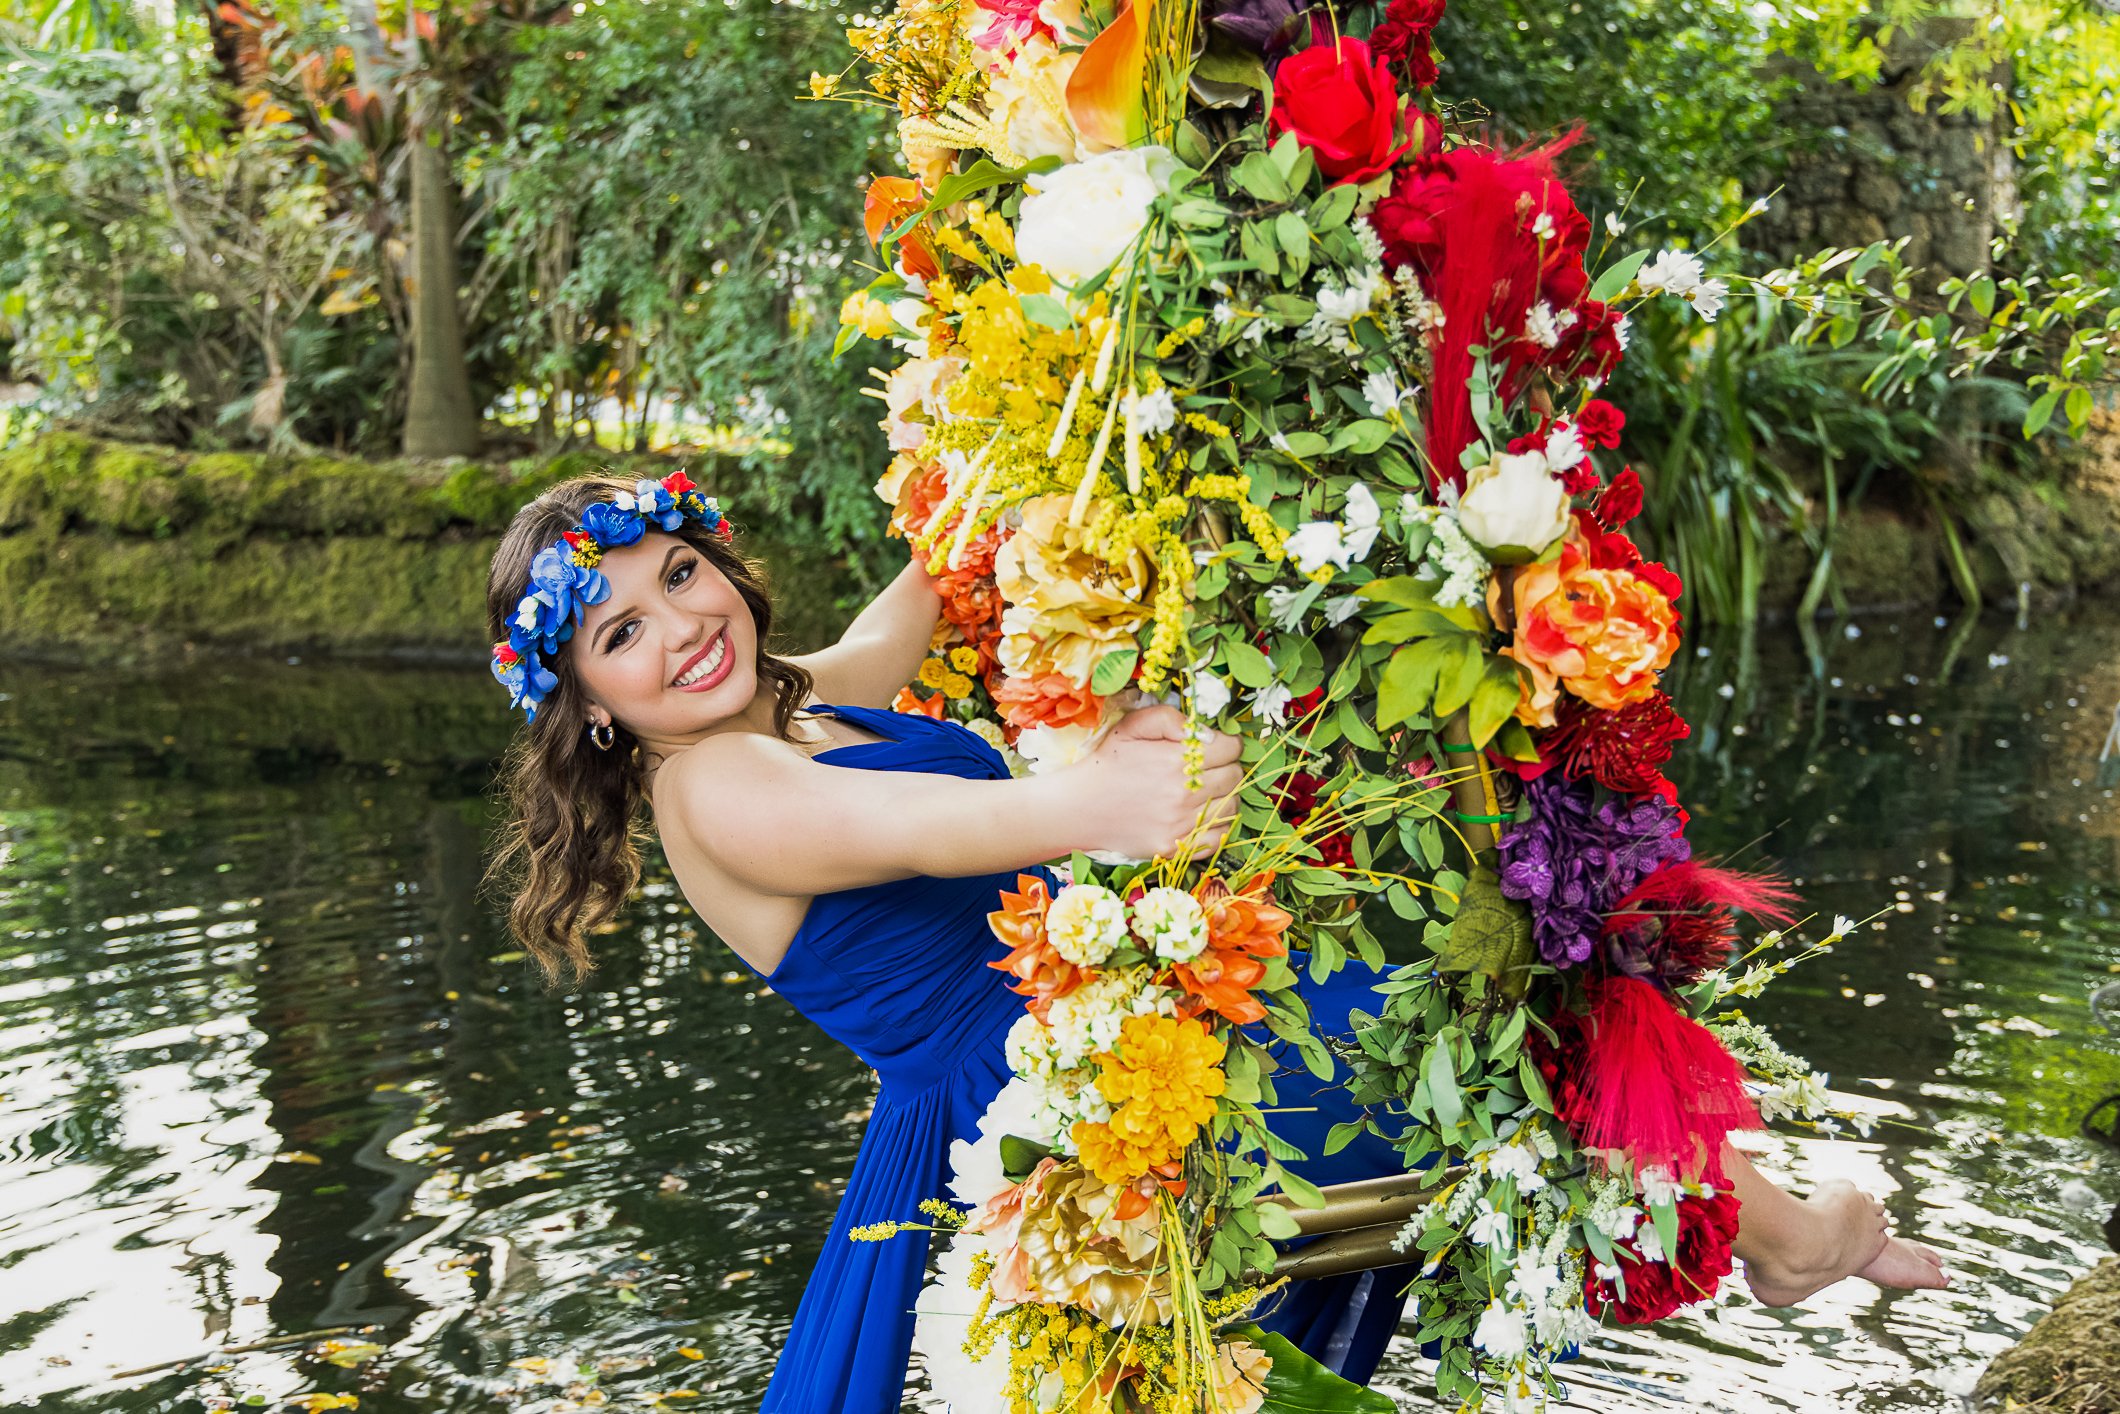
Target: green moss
{"type": "Point", "coordinates": [118, 552]}
{"type": "Point", "coordinates": [2070, 1362]}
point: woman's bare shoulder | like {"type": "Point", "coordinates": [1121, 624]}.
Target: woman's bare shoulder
{"type": "Point", "coordinates": [722, 765]}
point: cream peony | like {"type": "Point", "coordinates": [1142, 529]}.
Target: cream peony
{"type": "Point", "coordinates": [1080, 220]}
{"type": "Point", "coordinates": [1240, 1375]}
{"type": "Point", "coordinates": [1067, 605]}
{"type": "Point", "coordinates": [1514, 501]}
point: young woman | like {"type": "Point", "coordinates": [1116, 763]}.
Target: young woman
{"type": "Point", "coordinates": [850, 855]}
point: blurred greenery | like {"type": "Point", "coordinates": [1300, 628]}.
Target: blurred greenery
{"type": "Point", "coordinates": [206, 236]}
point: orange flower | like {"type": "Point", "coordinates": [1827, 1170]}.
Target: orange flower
{"type": "Point", "coordinates": [1591, 622]}
{"type": "Point", "coordinates": [1048, 699]}
{"type": "Point", "coordinates": [912, 702]}
{"type": "Point", "coordinates": [1040, 972]}
{"type": "Point", "coordinates": [1243, 930]}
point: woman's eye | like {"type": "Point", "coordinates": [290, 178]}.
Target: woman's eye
{"type": "Point", "coordinates": [682, 573]}
{"type": "Point", "coordinates": [620, 635]}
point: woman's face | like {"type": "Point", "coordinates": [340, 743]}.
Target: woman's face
{"type": "Point", "coordinates": [672, 651]}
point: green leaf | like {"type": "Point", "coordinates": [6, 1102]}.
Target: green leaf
{"type": "Point", "coordinates": [1403, 590]}
{"type": "Point", "coordinates": [1294, 238]}
{"type": "Point", "coordinates": [1665, 1216]}
{"type": "Point", "coordinates": [1362, 437]}
{"type": "Point", "coordinates": [1494, 700]}
{"type": "Point", "coordinates": [1258, 249]}
{"type": "Point", "coordinates": [1114, 671]}
{"type": "Point", "coordinates": [1459, 675]}
{"type": "Point", "coordinates": [1260, 177]}
{"type": "Point", "coordinates": [1304, 445]}
{"type": "Point", "coordinates": [1409, 624]}
{"type": "Point", "coordinates": [1246, 664]}
{"type": "Point", "coordinates": [1020, 1156]}
{"type": "Point", "coordinates": [1044, 309]}
{"type": "Point", "coordinates": [1408, 682]}
{"type": "Point", "coordinates": [1298, 1384]}
{"type": "Point", "coordinates": [1514, 741]}
{"type": "Point", "coordinates": [1277, 1222]}
{"type": "Point", "coordinates": [1491, 935]}
{"type": "Point", "coordinates": [1306, 1194]}
{"type": "Point", "coordinates": [974, 179]}
{"type": "Point", "coordinates": [2041, 413]}
{"type": "Point", "coordinates": [1443, 1094]}
{"type": "Point", "coordinates": [1618, 275]}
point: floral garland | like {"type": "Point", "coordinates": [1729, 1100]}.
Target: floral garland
{"type": "Point", "coordinates": [1287, 414]}
{"type": "Point", "coordinates": [565, 580]}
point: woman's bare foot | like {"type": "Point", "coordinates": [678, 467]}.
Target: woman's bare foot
{"type": "Point", "coordinates": [1907, 1266]}
{"type": "Point", "coordinates": [1845, 1234]}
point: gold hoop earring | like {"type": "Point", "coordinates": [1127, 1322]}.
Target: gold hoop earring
{"type": "Point", "coordinates": [601, 734]}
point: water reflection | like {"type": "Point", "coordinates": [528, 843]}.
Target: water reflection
{"type": "Point", "coordinates": [268, 1067]}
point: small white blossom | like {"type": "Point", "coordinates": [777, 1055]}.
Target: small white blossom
{"type": "Point", "coordinates": [1541, 326]}
{"type": "Point", "coordinates": [1339, 610]}
{"type": "Point", "coordinates": [1843, 925]}
{"type": "Point", "coordinates": [1614, 227]}
{"type": "Point", "coordinates": [1316, 544]}
{"type": "Point", "coordinates": [1286, 607]}
{"type": "Point", "coordinates": [1650, 1243]}
{"type": "Point", "coordinates": [1707, 298]}
{"type": "Point", "coordinates": [1517, 1162]}
{"type": "Point", "coordinates": [1383, 394]}
{"type": "Point", "coordinates": [1659, 1186]}
{"type": "Point", "coordinates": [1501, 1332]}
{"type": "Point", "coordinates": [1208, 694]}
{"type": "Point", "coordinates": [1364, 519]}
{"type": "Point", "coordinates": [1543, 228]}
{"type": "Point", "coordinates": [1155, 413]}
{"type": "Point", "coordinates": [1672, 272]}
{"type": "Point", "coordinates": [1270, 703]}
{"type": "Point", "coordinates": [1757, 208]}
{"type": "Point", "coordinates": [1222, 313]}
{"type": "Point", "coordinates": [1492, 1228]}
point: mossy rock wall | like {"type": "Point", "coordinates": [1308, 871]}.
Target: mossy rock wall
{"type": "Point", "coordinates": [2070, 1362]}
{"type": "Point", "coordinates": [110, 551]}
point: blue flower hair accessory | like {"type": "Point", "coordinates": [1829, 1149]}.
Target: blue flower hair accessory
{"type": "Point", "coordinates": [565, 580]}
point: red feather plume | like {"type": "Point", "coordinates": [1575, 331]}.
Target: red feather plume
{"type": "Point", "coordinates": [1654, 1082]}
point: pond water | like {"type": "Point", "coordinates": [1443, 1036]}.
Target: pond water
{"type": "Point", "coordinates": [268, 1067]}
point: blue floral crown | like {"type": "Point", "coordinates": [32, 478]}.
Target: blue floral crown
{"type": "Point", "coordinates": [565, 581]}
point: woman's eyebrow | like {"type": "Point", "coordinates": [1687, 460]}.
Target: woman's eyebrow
{"type": "Point", "coordinates": [619, 616]}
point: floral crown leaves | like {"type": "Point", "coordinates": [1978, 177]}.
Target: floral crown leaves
{"type": "Point", "coordinates": [565, 580]}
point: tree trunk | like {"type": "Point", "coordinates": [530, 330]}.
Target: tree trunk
{"type": "Point", "coordinates": [440, 418]}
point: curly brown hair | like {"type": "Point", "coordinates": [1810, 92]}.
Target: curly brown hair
{"type": "Point", "coordinates": [569, 854]}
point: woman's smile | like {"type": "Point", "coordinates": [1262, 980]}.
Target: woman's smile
{"type": "Point", "coordinates": [706, 668]}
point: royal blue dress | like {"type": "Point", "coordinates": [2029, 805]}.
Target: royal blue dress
{"type": "Point", "coordinates": [897, 972]}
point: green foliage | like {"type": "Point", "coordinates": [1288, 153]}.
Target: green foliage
{"type": "Point", "coordinates": [270, 552]}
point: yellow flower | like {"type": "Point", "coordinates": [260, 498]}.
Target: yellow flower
{"type": "Point", "coordinates": [823, 85]}
{"type": "Point", "coordinates": [932, 672]}
{"type": "Point", "coordinates": [1161, 1080]}
{"type": "Point", "coordinates": [955, 686]}
{"type": "Point", "coordinates": [868, 314]}
{"type": "Point", "coordinates": [965, 659]}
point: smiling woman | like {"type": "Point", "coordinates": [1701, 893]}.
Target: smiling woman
{"type": "Point", "coordinates": [571, 852]}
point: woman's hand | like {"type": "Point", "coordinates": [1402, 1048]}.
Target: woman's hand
{"type": "Point", "coordinates": [1133, 793]}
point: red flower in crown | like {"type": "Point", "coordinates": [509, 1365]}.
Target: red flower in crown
{"type": "Point", "coordinates": [577, 539]}
{"type": "Point", "coordinates": [505, 656]}
{"type": "Point", "coordinates": [677, 483]}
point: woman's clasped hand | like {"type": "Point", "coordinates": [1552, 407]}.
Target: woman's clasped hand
{"type": "Point", "coordinates": [1138, 797]}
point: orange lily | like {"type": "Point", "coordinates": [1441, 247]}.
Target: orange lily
{"type": "Point", "coordinates": [1243, 929]}
{"type": "Point", "coordinates": [1040, 972]}
{"type": "Point", "coordinates": [890, 200]}
{"type": "Point", "coordinates": [1107, 93]}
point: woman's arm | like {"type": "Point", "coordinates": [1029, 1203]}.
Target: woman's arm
{"type": "Point", "coordinates": [783, 824]}
{"type": "Point", "coordinates": [881, 650]}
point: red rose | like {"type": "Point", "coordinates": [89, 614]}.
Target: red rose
{"type": "Point", "coordinates": [1706, 1228]}
{"type": "Point", "coordinates": [1579, 479]}
{"type": "Point", "coordinates": [1340, 103]}
{"type": "Point", "coordinates": [1419, 13]}
{"type": "Point", "coordinates": [1621, 502]}
{"type": "Point", "coordinates": [1390, 40]}
{"type": "Point", "coordinates": [1600, 423]}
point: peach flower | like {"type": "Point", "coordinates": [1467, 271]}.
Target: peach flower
{"type": "Point", "coordinates": [1592, 622]}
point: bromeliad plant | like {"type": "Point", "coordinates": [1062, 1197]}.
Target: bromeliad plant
{"type": "Point", "coordinates": [1236, 378]}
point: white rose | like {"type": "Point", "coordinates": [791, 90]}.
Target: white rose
{"type": "Point", "coordinates": [1514, 501]}
{"type": "Point", "coordinates": [1171, 923]}
{"type": "Point", "coordinates": [1085, 923]}
{"type": "Point", "coordinates": [1081, 219]}
{"type": "Point", "coordinates": [1047, 747]}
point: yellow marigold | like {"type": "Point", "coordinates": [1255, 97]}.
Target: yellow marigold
{"type": "Point", "coordinates": [955, 686]}
{"type": "Point", "coordinates": [965, 658]}
{"type": "Point", "coordinates": [1161, 1080]}
{"type": "Point", "coordinates": [932, 672]}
